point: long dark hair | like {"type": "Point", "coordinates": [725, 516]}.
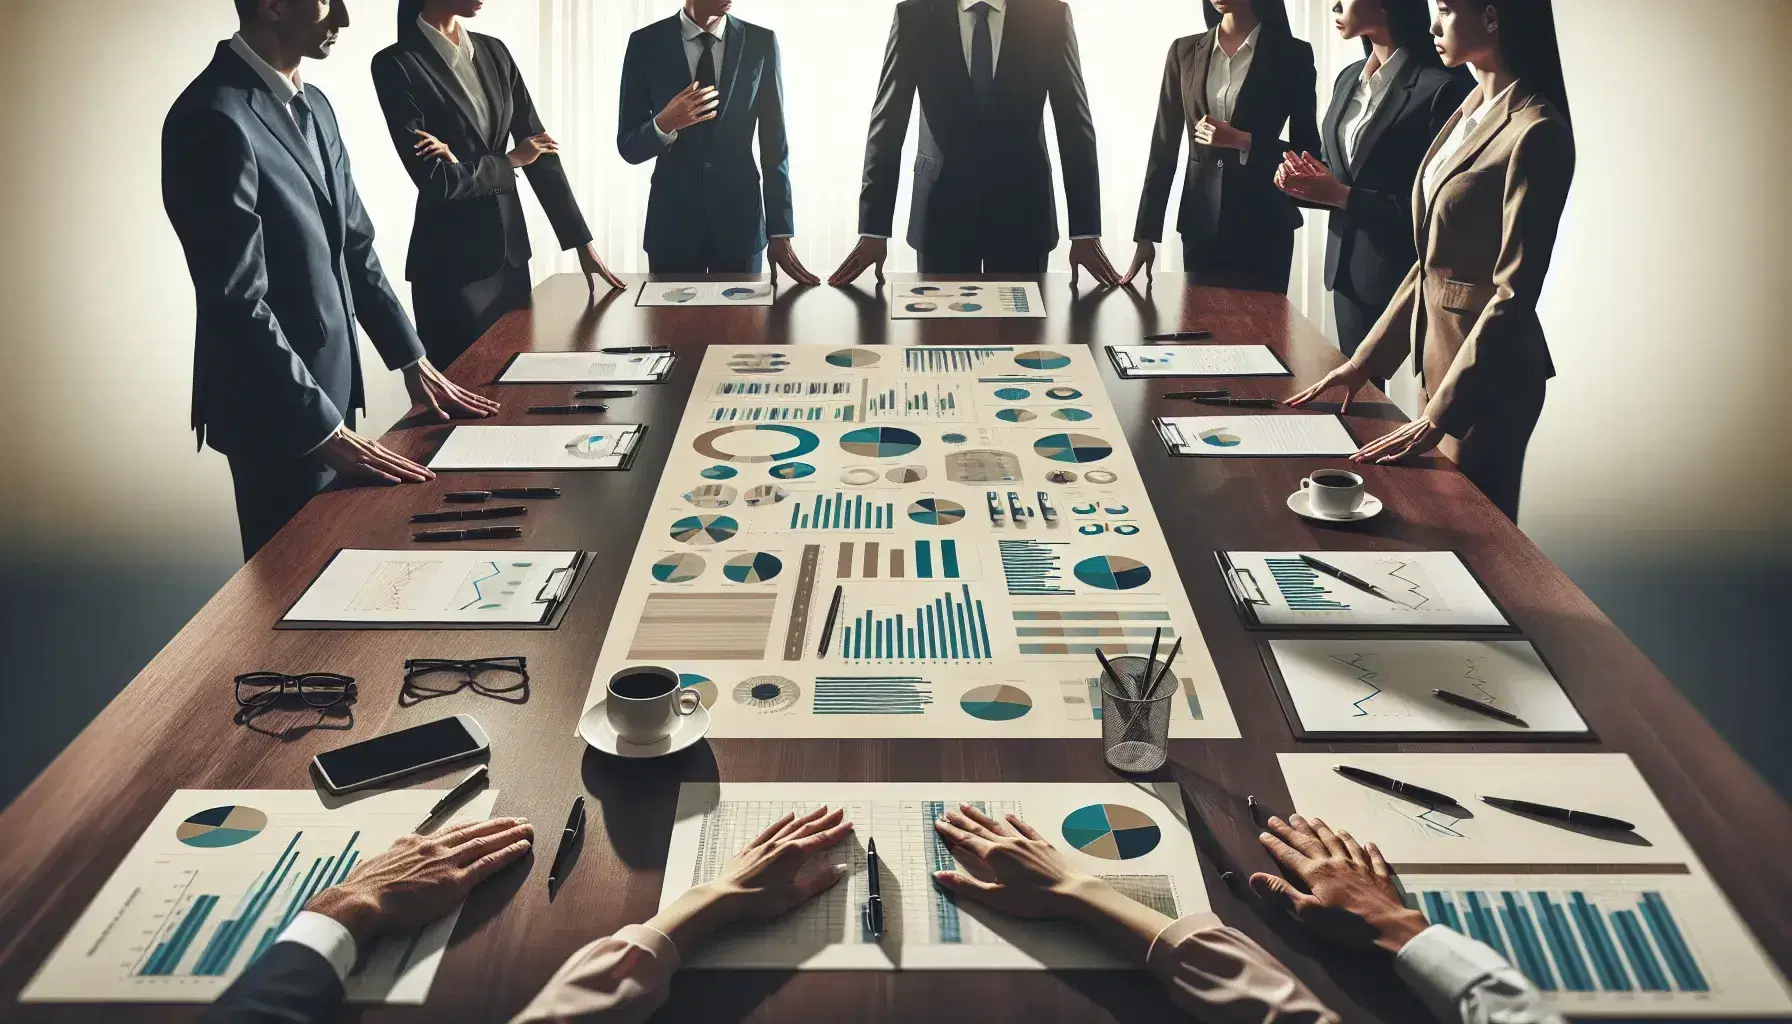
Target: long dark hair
{"type": "Point", "coordinates": [408, 12]}
{"type": "Point", "coordinates": [1529, 49]}
{"type": "Point", "coordinates": [1409, 23]}
{"type": "Point", "coordinates": [1271, 14]}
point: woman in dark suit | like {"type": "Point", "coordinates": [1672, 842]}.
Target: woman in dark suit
{"type": "Point", "coordinates": [1230, 90]}
{"type": "Point", "coordinates": [1486, 206]}
{"type": "Point", "coordinates": [1385, 110]}
{"type": "Point", "coordinates": [454, 102]}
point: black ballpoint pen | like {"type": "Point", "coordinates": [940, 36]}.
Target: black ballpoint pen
{"type": "Point", "coordinates": [1480, 707]}
{"type": "Point", "coordinates": [483, 533]}
{"type": "Point", "coordinates": [540, 410]}
{"type": "Point", "coordinates": [1180, 336]}
{"type": "Point", "coordinates": [525, 492]}
{"type": "Point", "coordinates": [1561, 814]}
{"type": "Point", "coordinates": [632, 350]}
{"type": "Point", "coordinates": [1355, 581]}
{"type": "Point", "coordinates": [827, 631]}
{"type": "Point", "coordinates": [452, 515]}
{"type": "Point", "coordinates": [874, 901]}
{"type": "Point", "coordinates": [454, 796]}
{"type": "Point", "coordinates": [1405, 789]}
{"type": "Point", "coordinates": [569, 841]}
{"type": "Point", "coordinates": [1243, 403]}
{"type": "Point", "coordinates": [1201, 396]}
{"type": "Point", "coordinates": [603, 394]}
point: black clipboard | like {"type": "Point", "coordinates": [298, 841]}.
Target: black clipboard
{"type": "Point", "coordinates": [558, 592]}
{"type": "Point", "coordinates": [1126, 373]}
{"type": "Point", "coordinates": [1248, 595]}
{"type": "Point", "coordinates": [499, 381]}
{"type": "Point", "coordinates": [1301, 732]}
{"type": "Point", "coordinates": [627, 463]}
{"type": "Point", "coordinates": [1159, 428]}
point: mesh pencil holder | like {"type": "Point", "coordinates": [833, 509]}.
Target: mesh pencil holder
{"type": "Point", "coordinates": [1135, 727]}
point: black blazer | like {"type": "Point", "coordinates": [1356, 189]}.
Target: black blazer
{"type": "Point", "coordinates": [707, 183]}
{"type": "Point", "coordinates": [1278, 90]}
{"type": "Point", "coordinates": [288, 984]}
{"type": "Point", "coordinates": [1369, 241]}
{"type": "Point", "coordinates": [982, 176]}
{"type": "Point", "coordinates": [469, 223]}
{"type": "Point", "coordinates": [282, 262]}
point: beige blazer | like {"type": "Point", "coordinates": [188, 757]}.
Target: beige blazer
{"type": "Point", "coordinates": [1467, 310]}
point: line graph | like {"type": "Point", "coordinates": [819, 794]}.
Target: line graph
{"type": "Point", "coordinates": [478, 581]}
{"type": "Point", "coordinates": [394, 586]}
{"type": "Point", "coordinates": [1417, 584]}
{"type": "Point", "coordinates": [1365, 675]}
{"type": "Point", "coordinates": [1472, 674]}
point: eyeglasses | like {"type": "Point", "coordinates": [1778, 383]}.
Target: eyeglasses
{"type": "Point", "coordinates": [316, 689]}
{"type": "Point", "coordinates": [506, 679]}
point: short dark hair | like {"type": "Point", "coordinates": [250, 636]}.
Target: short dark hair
{"type": "Point", "coordinates": [1271, 14]}
{"type": "Point", "coordinates": [1409, 22]}
{"type": "Point", "coordinates": [244, 8]}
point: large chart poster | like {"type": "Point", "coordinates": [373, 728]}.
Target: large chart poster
{"type": "Point", "coordinates": [975, 508]}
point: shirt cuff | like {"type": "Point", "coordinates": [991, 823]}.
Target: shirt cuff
{"type": "Point", "coordinates": [654, 941]}
{"type": "Point", "coordinates": [780, 236]}
{"type": "Point", "coordinates": [323, 441]}
{"type": "Point", "coordinates": [867, 234]}
{"type": "Point", "coordinates": [1078, 238]}
{"type": "Point", "coordinates": [666, 138]}
{"type": "Point", "coordinates": [326, 937]}
{"type": "Point", "coordinates": [1441, 965]}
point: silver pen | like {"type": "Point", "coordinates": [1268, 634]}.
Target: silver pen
{"type": "Point", "coordinates": [454, 796]}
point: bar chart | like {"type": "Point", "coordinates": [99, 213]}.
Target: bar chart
{"type": "Point", "coordinates": [1114, 631]}
{"type": "Point", "coordinates": [872, 695]}
{"type": "Point", "coordinates": [820, 412]}
{"type": "Point", "coordinates": [903, 400]}
{"type": "Point", "coordinates": [1299, 585]}
{"type": "Point", "coordinates": [870, 560]}
{"type": "Point", "coordinates": [1032, 569]}
{"type": "Point", "coordinates": [841, 511]}
{"type": "Point", "coordinates": [950, 627]}
{"type": "Point", "coordinates": [947, 359]}
{"type": "Point", "coordinates": [784, 388]}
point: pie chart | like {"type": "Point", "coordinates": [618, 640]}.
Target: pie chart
{"type": "Point", "coordinates": [737, 294]}
{"type": "Point", "coordinates": [880, 442]}
{"type": "Point", "coordinates": [221, 826]}
{"type": "Point", "coordinates": [705, 687]}
{"type": "Point", "coordinates": [853, 357]}
{"type": "Point", "coordinates": [766, 494]}
{"type": "Point", "coordinates": [1113, 572]}
{"type": "Point", "coordinates": [1072, 414]}
{"type": "Point", "coordinates": [1016, 415]}
{"type": "Point", "coordinates": [702, 531]}
{"type": "Point", "coordinates": [678, 568]}
{"type": "Point", "coordinates": [1013, 394]}
{"type": "Point", "coordinates": [936, 512]}
{"type": "Point", "coordinates": [925, 289]}
{"type": "Point", "coordinates": [922, 307]}
{"type": "Point", "coordinates": [753, 567]}
{"type": "Point", "coordinates": [1063, 394]}
{"type": "Point", "coordinates": [966, 307]}
{"type": "Point", "coordinates": [679, 294]}
{"type": "Point", "coordinates": [1100, 476]}
{"type": "Point", "coordinates": [1043, 360]}
{"type": "Point", "coordinates": [719, 472]}
{"type": "Point", "coordinates": [1073, 448]}
{"type": "Point", "coordinates": [1111, 831]}
{"type": "Point", "coordinates": [792, 471]}
{"type": "Point", "coordinates": [996, 703]}
{"type": "Point", "coordinates": [769, 694]}
{"type": "Point", "coordinates": [906, 474]}
{"type": "Point", "coordinates": [954, 438]}
{"type": "Point", "coordinates": [1061, 476]}
{"type": "Point", "coordinates": [1220, 437]}
{"type": "Point", "coordinates": [757, 435]}
{"type": "Point", "coordinates": [711, 496]}
{"type": "Point", "coordinates": [589, 446]}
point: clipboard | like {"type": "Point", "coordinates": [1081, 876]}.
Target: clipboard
{"type": "Point", "coordinates": [1291, 712]}
{"type": "Point", "coordinates": [557, 592]}
{"type": "Point", "coordinates": [627, 448]}
{"type": "Point", "coordinates": [1173, 442]}
{"type": "Point", "coordinates": [499, 381]}
{"type": "Point", "coordinates": [1248, 595]}
{"type": "Point", "coordinates": [1126, 372]}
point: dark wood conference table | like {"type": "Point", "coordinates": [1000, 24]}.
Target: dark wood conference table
{"type": "Point", "coordinates": [173, 727]}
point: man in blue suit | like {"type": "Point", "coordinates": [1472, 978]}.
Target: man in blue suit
{"type": "Point", "coordinates": [256, 182]}
{"type": "Point", "coordinates": [696, 88]}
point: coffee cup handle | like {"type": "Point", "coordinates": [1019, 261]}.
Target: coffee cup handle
{"type": "Point", "coordinates": [1306, 482]}
{"type": "Point", "coordinates": [696, 701]}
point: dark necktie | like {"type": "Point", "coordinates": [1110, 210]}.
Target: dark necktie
{"type": "Point", "coordinates": [706, 64]}
{"type": "Point", "coordinates": [302, 116]}
{"type": "Point", "coordinates": [983, 54]}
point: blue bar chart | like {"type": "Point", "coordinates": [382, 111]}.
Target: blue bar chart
{"type": "Point", "coordinates": [784, 388]}
{"type": "Point", "coordinates": [1031, 567]}
{"type": "Point", "coordinates": [1083, 631]}
{"type": "Point", "coordinates": [905, 400]}
{"type": "Point", "coordinates": [872, 695]}
{"type": "Point", "coordinates": [1299, 584]}
{"type": "Point", "coordinates": [945, 359]}
{"type": "Point", "coordinates": [841, 511]}
{"type": "Point", "coordinates": [838, 412]}
{"type": "Point", "coordinates": [951, 627]}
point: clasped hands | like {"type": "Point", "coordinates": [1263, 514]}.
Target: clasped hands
{"type": "Point", "coordinates": [1309, 180]}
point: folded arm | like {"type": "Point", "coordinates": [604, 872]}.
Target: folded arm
{"type": "Point", "coordinates": [436, 179]}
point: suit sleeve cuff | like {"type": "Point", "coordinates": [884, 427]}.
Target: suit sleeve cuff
{"type": "Point", "coordinates": [666, 138]}
{"type": "Point", "coordinates": [1079, 238]}
{"type": "Point", "coordinates": [1441, 965]}
{"type": "Point", "coordinates": [323, 441]}
{"type": "Point", "coordinates": [325, 937]}
{"type": "Point", "coordinates": [869, 234]}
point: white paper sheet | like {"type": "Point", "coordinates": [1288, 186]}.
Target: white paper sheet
{"type": "Point", "coordinates": [706, 293]}
{"type": "Point", "coordinates": [1141, 846]}
{"type": "Point", "coordinates": [194, 902]}
{"type": "Point", "coordinates": [570, 446]}
{"type": "Point", "coordinates": [428, 586]}
{"type": "Point", "coordinates": [1427, 589]}
{"type": "Point", "coordinates": [1607, 924]}
{"type": "Point", "coordinates": [587, 368]}
{"type": "Point", "coordinates": [1261, 434]}
{"type": "Point", "coordinates": [1197, 361]}
{"type": "Point", "coordinates": [966, 300]}
{"type": "Point", "coordinates": [1384, 686]}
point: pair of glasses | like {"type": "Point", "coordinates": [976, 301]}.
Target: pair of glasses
{"type": "Point", "coordinates": [506, 679]}
{"type": "Point", "coordinates": [315, 689]}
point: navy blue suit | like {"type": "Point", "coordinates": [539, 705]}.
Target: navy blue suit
{"type": "Point", "coordinates": [282, 261]}
{"type": "Point", "coordinates": [288, 984]}
{"type": "Point", "coordinates": [709, 210]}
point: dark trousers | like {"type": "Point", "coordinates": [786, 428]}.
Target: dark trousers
{"type": "Point", "coordinates": [984, 260]}
{"type": "Point", "coordinates": [1491, 453]}
{"type": "Point", "coordinates": [451, 317]}
{"type": "Point", "coordinates": [705, 261]}
{"type": "Point", "coordinates": [270, 489]}
{"type": "Point", "coordinates": [1254, 257]}
{"type": "Point", "coordinates": [1355, 318]}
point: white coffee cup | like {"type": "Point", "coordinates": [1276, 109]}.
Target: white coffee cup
{"type": "Point", "coordinates": [646, 702]}
{"type": "Point", "coordinates": [1333, 492]}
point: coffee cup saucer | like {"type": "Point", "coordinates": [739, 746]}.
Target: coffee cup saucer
{"type": "Point", "coordinates": [1299, 503]}
{"type": "Point", "coordinates": [595, 729]}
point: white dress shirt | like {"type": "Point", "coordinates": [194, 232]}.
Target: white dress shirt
{"type": "Point", "coordinates": [693, 52]}
{"type": "Point", "coordinates": [284, 88]}
{"type": "Point", "coordinates": [1465, 126]}
{"type": "Point", "coordinates": [1462, 980]}
{"type": "Point", "coordinates": [1371, 88]}
{"type": "Point", "coordinates": [1225, 75]}
{"type": "Point", "coordinates": [967, 27]}
{"type": "Point", "coordinates": [459, 58]}
{"type": "Point", "coordinates": [324, 936]}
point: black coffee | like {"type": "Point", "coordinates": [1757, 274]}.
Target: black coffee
{"type": "Point", "coordinates": [1334, 480]}
{"type": "Point", "coordinates": [642, 686]}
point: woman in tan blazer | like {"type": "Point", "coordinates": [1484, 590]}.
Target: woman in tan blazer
{"type": "Point", "coordinates": [1487, 203]}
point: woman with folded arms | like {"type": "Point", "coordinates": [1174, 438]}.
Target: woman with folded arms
{"type": "Point", "coordinates": [1486, 207]}
{"type": "Point", "coordinates": [1385, 110]}
{"type": "Point", "coordinates": [463, 123]}
{"type": "Point", "coordinates": [1230, 90]}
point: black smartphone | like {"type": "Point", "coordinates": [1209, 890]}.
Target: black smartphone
{"type": "Point", "coordinates": [371, 762]}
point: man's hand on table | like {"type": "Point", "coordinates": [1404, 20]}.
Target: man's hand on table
{"type": "Point", "coordinates": [421, 878]}
{"type": "Point", "coordinates": [441, 396]}
{"type": "Point", "coordinates": [1350, 897]}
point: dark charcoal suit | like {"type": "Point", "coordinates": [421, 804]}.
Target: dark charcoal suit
{"type": "Point", "coordinates": [1237, 227]}
{"type": "Point", "coordinates": [1369, 245]}
{"type": "Point", "coordinates": [469, 255]}
{"type": "Point", "coordinates": [983, 177]}
{"type": "Point", "coordinates": [288, 984]}
{"type": "Point", "coordinates": [709, 211]}
{"type": "Point", "coordinates": [281, 256]}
